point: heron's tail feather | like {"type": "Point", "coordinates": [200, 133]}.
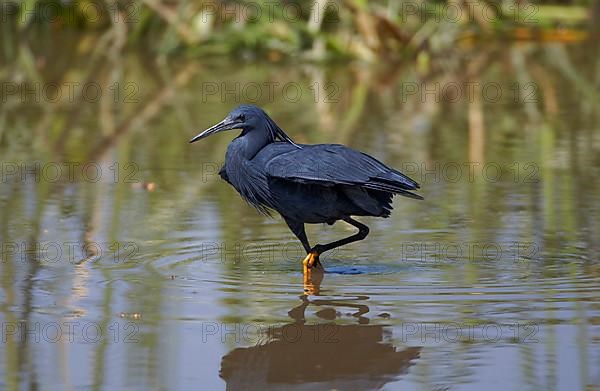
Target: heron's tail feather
{"type": "Point", "coordinates": [392, 187]}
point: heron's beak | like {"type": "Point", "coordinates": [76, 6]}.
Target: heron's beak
{"type": "Point", "coordinates": [226, 124]}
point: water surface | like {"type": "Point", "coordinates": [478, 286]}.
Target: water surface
{"type": "Point", "coordinates": [144, 270]}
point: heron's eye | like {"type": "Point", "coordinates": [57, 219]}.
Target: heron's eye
{"type": "Point", "coordinates": [242, 117]}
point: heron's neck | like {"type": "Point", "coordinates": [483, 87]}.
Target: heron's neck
{"type": "Point", "coordinates": [250, 143]}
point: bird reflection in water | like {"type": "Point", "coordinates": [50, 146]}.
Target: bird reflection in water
{"type": "Point", "coordinates": [313, 278]}
{"type": "Point", "coordinates": [326, 355]}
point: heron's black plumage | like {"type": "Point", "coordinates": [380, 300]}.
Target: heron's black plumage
{"type": "Point", "coordinates": [319, 183]}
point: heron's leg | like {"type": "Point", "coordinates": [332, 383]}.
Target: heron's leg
{"type": "Point", "coordinates": [362, 233]}
{"type": "Point", "coordinates": [298, 229]}
{"type": "Point", "coordinates": [312, 257]}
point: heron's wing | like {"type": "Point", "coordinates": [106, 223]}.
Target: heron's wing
{"type": "Point", "coordinates": [332, 164]}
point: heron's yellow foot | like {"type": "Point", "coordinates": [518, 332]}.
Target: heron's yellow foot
{"type": "Point", "coordinates": [311, 260]}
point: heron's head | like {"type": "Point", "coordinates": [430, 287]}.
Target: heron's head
{"type": "Point", "coordinates": [249, 118]}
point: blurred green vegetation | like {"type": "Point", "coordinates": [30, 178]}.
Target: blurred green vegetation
{"type": "Point", "coordinates": [317, 30]}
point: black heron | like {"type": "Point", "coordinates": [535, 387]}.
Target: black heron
{"type": "Point", "coordinates": [306, 184]}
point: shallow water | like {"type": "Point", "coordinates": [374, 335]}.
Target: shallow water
{"type": "Point", "coordinates": [154, 274]}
